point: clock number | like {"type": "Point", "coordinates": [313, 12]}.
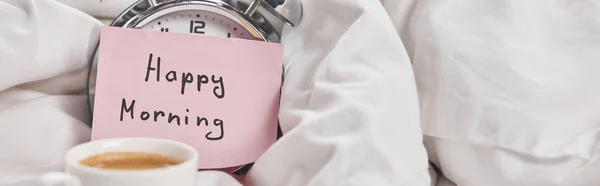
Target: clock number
{"type": "Point", "coordinates": [197, 26]}
{"type": "Point", "coordinates": [164, 29]}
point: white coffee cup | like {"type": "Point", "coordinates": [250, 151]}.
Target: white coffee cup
{"type": "Point", "coordinates": [183, 174]}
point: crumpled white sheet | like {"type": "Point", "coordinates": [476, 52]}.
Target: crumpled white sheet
{"type": "Point", "coordinates": [508, 89]}
{"type": "Point", "coordinates": [507, 92]}
{"type": "Point", "coordinates": [349, 110]}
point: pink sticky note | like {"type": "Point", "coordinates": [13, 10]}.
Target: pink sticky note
{"type": "Point", "coordinates": [219, 95]}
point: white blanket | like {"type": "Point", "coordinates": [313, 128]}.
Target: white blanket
{"type": "Point", "coordinates": [507, 92]}
{"type": "Point", "coordinates": [349, 110]}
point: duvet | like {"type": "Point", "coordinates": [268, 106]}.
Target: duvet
{"type": "Point", "coordinates": [390, 92]}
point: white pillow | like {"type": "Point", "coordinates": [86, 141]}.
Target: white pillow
{"type": "Point", "coordinates": [509, 90]}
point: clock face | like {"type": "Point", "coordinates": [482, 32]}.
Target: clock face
{"type": "Point", "coordinates": [199, 22]}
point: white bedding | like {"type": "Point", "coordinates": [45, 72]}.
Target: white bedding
{"type": "Point", "coordinates": [507, 92]}
{"type": "Point", "coordinates": [349, 112]}
{"type": "Point", "coordinates": [508, 89]}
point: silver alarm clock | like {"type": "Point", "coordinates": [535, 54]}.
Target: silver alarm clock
{"type": "Point", "coordinates": [245, 19]}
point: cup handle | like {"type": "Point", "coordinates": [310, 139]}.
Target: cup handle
{"type": "Point", "coordinates": [60, 178]}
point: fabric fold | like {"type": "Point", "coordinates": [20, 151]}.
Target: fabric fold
{"type": "Point", "coordinates": [350, 110]}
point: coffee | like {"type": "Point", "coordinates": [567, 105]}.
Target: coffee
{"type": "Point", "coordinates": [129, 160]}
